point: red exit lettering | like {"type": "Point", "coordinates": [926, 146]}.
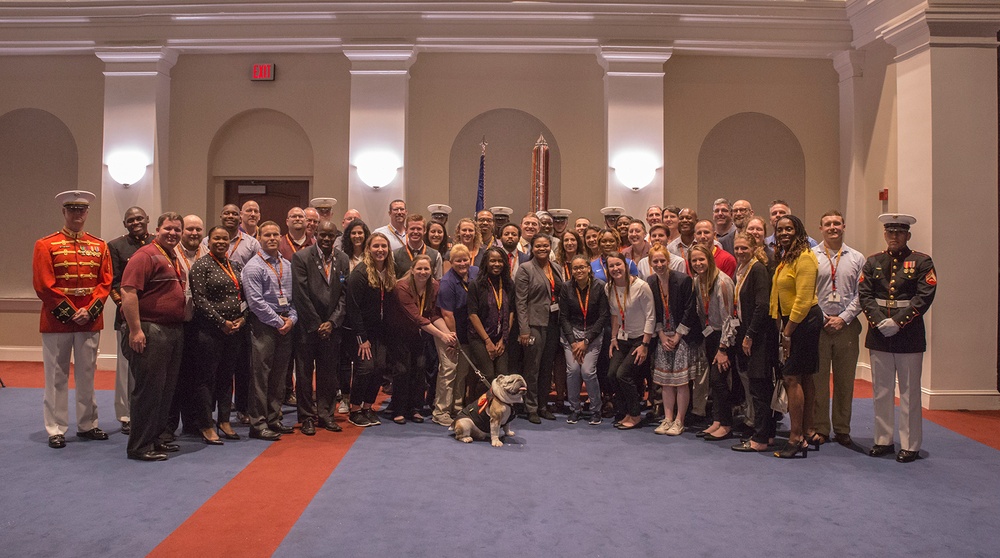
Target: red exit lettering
{"type": "Point", "coordinates": [263, 72]}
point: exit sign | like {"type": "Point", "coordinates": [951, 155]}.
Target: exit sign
{"type": "Point", "coordinates": [262, 72]}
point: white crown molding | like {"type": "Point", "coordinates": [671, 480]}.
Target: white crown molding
{"type": "Point", "coordinates": [849, 64]}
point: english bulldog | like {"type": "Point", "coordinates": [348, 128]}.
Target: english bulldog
{"type": "Point", "coordinates": [491, 412]}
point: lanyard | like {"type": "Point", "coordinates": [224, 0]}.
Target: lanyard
{"type": "Point", "coordinates": [741, 277]}
{"type": "Point", "coordinates": [187, 262]}
{"type": "Point", "coordinates": [295, 247]}
{"type": "Point", "coordinates": [604, 266]}
{"type": "Point", "coordinates": [584, 303]}
{"type": "Point", "coordinates": [552, 281]}
{"type": "Point", "coordinates": [621, 306]}
{"type": "Point", "coordinates": [227, 268]}
{"type": "Point", "coordinates": [498, 297]}
{"type": "Point", "coordinates": [706, 299]}
{"type": "Point", "coordinates": [232, 250]}
{"type": "Point", "coordinates": [833, 265]}
{"type": "Point", "coordinates": [327, 265]}
{"type": "Point", "coordinates": [277, 272]}
{"type": "Point", "coordinates": [665, 299]}
{"type": "Point", "coordinates": [173, 261]}
{"type": "Point", "coordinates": [464, 283]}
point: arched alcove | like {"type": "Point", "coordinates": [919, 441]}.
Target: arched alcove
{"type": "Point", "coordinates": [260, 144]}
{"type": "Point", "coordinates": [39, 160]}
{"type": "Point", "coordinates": [511, 134]}
{"type": "Point", "coordinates": [751, 156]}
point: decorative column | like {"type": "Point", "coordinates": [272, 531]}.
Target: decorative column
{"type": "Point", "coordinates": [854, 194]}
{"type": "Point", "coordinates": [946, 108]}
{"type": "Point", "coordinates": [136, 126]}
{"type": "Point", "coordinates": [379, 99]}
{"type": "Point", "coordinates": [633, 94]}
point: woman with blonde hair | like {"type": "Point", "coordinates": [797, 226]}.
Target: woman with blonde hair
{"type": "Point", "coordinates": [467, 234]}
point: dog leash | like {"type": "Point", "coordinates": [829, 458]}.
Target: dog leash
{"type": "Point", "coordinates": [475, 368]}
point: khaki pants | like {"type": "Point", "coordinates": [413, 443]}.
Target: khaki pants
{"type": "Point", "coordinates": [449, 394]}
{"type": "Point", "coordinates": [123, 383]}
{"type": "Point", "coordinates": [839, 350]}
{"type": "Point", "coordinates": [56, 351]}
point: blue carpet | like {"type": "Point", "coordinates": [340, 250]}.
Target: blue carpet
{"type": "Point", "coordinates": [87, 499]}
{"type": "Point", "coordinates": [579, 490]}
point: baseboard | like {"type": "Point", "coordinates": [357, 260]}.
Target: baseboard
{"type": "Point", "coordinates": [863, 372]}
{"type": "Point", "coordinates": [34, 354]}
{"type": "Point", "coordinates": [960, 399]}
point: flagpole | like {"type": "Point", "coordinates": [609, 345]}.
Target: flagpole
{"type": "Point", "coordinates": [481, 190]}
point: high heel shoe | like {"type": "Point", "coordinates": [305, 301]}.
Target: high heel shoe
{"type": "Point", "coordinates": [228, 436]}
{"type": "Point", "coordinates": [211, 442]}
{"type": "Point", "coordinates": [793, 449]}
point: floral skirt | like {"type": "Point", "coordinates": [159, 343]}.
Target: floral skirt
{"type": "Point", "coordinates": [671, 368]}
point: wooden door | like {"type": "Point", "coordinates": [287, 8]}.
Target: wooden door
{"type": "Point", "coordinates": [275, 197]}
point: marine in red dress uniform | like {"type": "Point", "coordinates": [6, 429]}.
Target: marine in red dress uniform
{"type": "Point", "coordinates": [72, 276]}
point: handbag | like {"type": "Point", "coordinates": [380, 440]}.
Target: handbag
{"type": "Point", "coordinates": [779, 399]}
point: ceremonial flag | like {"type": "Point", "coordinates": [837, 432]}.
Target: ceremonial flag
{"type": "Point", "coordinates": [481, 191]}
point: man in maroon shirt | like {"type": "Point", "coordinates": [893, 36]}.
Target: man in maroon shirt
{"type": "Point", "coordinates": [704, 234]}
{"type": "Point", "coordinates": [153, 306]}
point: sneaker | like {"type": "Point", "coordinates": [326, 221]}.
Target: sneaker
{"type": "Point", "coordinates": [665, 426]}
{"type": "Point", "coordinates": [343, 407]}
{"type": "Point", "coordinates": [358, 418]}
{"type": "Point", "coordinates": [573, 418]}
{"type": "Point", "coordinates": [676, 429]}
{"type": "Point", "coordinates": [595, 419]}
{"type": "Point", "coordinates": [443, 420]}
{"type": "Point", "coordinates": [371, 416]}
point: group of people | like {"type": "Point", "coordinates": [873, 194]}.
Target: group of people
{"type": "Point", "coordinates": [658, 319]}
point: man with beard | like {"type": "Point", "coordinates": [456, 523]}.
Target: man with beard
{"type": "Point", "coordinates": [153, 306]}
{"type": "Point", "coordinates": [267, 281]}
{"type": "Point", "coordinates": [295, 237]}
{"type": "Point", "coordinates": [249, 217]}
{"type": "Point", "coordinates": [121, 249]}
{"type": "Point", "coordinates": [318, 274]}
{"type": "Point", "coordinates": [71, 274]}
{"type": "Point", "coordinates": [187, 251]}
{"type": "Point", "coordinates": [742, 212]}
{"type": "Point", "coordinates": [485, 221]}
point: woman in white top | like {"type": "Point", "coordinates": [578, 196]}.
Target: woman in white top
{"type": "Point", "coordinates": [658, 235]}
{"type": "Point", "coordinates": [714, 297]}
{"type": "Point", "coordinates": [632, 325]}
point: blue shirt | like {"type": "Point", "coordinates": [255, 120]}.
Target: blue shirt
{"type": "Point", "coordinates": [453, 297]}
{"type": "Point", "coordinates": [849, 263]}
{"type": "Point", "coordinates": [599, 270]}
{"type": "Point", "coordinates": [263, 289]}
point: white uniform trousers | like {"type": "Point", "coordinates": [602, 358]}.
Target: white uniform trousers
{"type": "Point", "coordinates": [887, 369]}
{"type": "Point", "coordinates": [123, 384]}
{"type": "Point", "coordinates": [56, 351]}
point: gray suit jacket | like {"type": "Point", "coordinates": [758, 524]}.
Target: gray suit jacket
{"type": "Point", "coordinates": [533, 295]}
{"type": "Point", "coordinates": [315, 300]}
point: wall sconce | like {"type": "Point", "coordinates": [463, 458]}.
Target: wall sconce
{"type": "Point", "coordinates": [127, 167]}
{"type": "Point", "coordinates": [635, 169]}
{"type": "Point", "coordinates": [377, 168]}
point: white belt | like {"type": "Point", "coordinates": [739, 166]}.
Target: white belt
{"type": "Point", "coordinates": [893, 303]}
{"type": "Point", "coordinates": [82, 291]}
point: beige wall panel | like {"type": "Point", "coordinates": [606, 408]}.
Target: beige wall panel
{"type": "Point", "coordinates": [565, 92]}
{"type": "Point", "coordinates": [701, 91]}
{"type": "Point", "coordinates": [208, 91]}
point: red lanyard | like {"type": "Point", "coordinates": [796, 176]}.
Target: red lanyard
{"type": "Point", "coordinates": [621, 306]}
{"type": "Point", "coordinates": [423, 249]}
{"type": "Point", "coordinates": [173, 261]}
{"type": "Point", "coordinates": [232, 250]}
{"type": "Point", "coordinates": [552, 281]}
{"type": "Point", "coordinates": [665, 299]}
{"type": "Point", "coordinates": [707, 300]}
{"type": "Point", "coordinates": [498, 297]}
{"type": "Point", "coordinates": [228, 270]}
{"type": "Point", "coordinates": [833, 266]}
{"type": "Point", "coordinates": [584, 303]}
{"type": "Point", "coordinates": [326, 267]}
{"type": "Point", "coordinates": [295, 247]}
{"type": "Point", "coordinates": [277, 272]}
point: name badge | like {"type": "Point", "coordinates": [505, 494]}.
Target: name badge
{"type": "Point", "coordinates": [282, 301]}
{"type": "Point", "coordinates": [554, 307]}
{"type": "Point", "coordinates": [707, 331]}
{"type": "Point", "coordinates": [833, 297]}
{"type": "Point", "coordinates": [243, 306]}
{"type": "Point", "coordinates": [736, 321]}
{"type": "Point", "coordinates": [622, 336]}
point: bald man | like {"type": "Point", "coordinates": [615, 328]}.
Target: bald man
{"type": "Point", "coordinates": [249, 217]}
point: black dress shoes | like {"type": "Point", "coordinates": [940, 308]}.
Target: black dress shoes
{"type": "Point", "coordinates": [308, 428]}
{"type": "Point", "coordinates": [150, 455]}
{"type": "Point", "coordinates": [281, 428]}
{"type": "Point", "coordinates": [57, 442]}
{"type": "Point", "coordinates": [907, 456]}
{"type": "Point", "coordinates": [126, 427]}
{"type": "Point", "coordinates": [879, 451]}
{"type": "Point", "coordinates": [265, 434]}
{"type": "Point", "coordinates": [546, 414]}
{"type": "Point", "coordinates": [166, 447]}
{"type": "Point", "coordinates": [330, 425]}
{"type": "Point", "coordinates": [844, 440]}
{"type": "Point", "coordinates": [93, 434]}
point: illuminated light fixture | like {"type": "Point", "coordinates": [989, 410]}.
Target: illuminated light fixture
{"type": "Point", "coordinates": [377, 168]}
{"type": "Point", "coordinates": [127, 167]}
{"type": "Point", "coordinates": [635, 169]}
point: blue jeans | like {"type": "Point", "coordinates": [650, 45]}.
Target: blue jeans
{"type": "Point", "coordinates": [577, 374]}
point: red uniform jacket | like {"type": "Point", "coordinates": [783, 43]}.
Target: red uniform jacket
{"type": "Point", "coordinates": [71, 271]}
